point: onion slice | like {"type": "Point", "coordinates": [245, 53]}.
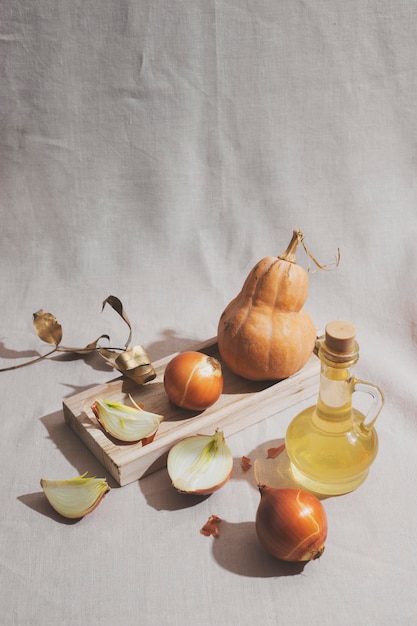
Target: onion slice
{"type": "Point", "coordinates": [126, 423]}
{"type": "Point", "coordinates": [75, 497]}
{"type": "Point", "coordinates": [200, 464]}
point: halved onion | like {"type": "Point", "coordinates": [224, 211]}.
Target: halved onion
{"type": "Point", "coordinates": [200, 464]}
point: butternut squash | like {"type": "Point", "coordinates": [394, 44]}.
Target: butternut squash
{"type": "Point", "coordinates": [264, 333]}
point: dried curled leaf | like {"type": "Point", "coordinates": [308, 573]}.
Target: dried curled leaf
{"type": "Point", "coordinates": [47, 327]}
{"type": "Point", "coordinates": [133, 363]}
{"type": "Point", "coordinates": [91, 347]}
{"type": "Point", "coordinates": [117, 305]}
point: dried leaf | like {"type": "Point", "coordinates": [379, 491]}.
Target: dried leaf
{"type": "Point", "coordinates": [140, 373]}
{"type": "Point", "coordinates": [47, 327]}
{"type": "Point", "coordinates": [134, 363]}
{"type": "Point", "coordinates": [116, 304]}
{"type": "Point", "coordinates": [109, 356]}
{"type": "Point", "coordinates": [132, 358]}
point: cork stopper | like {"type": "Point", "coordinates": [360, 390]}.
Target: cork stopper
{"type": "Point", "coordinates": [340, 337]}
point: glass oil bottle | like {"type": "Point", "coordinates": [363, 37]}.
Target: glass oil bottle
{"type": "Point", "coordinates": [331, 445]}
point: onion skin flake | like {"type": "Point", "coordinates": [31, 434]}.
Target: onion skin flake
{"type": "Point", "coordinates": [211, 527]}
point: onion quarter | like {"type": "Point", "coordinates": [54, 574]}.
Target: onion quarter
{"type": "Point", "coordinates": [75, 497]}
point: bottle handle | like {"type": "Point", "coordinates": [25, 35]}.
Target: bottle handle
{"type": "Point", "coordinates": [378, 400]}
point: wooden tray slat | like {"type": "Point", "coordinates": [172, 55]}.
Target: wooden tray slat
{"type": "Point", "coordinates": [242, 404]}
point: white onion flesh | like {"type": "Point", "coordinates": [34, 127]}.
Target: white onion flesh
{"type": "Point", "coordinates": [200, 464]}
{"type": "Point", "coordinates": [126, 423]}
{"type": "Point", "coordinates": [75, 497]}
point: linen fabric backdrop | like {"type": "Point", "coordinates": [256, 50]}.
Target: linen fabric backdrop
{"type": "Point", "coordinates": [155, 151]}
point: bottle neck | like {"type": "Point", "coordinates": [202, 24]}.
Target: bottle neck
{"type": "Point", "coordinates": [334, 404]}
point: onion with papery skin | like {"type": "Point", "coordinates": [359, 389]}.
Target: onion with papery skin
{"type": "Point", "coordinates": [200, 464]}
{"type": "Point", "coordinates": [291, 524]}
{"type": "Point", "coordinates": [193, 380]}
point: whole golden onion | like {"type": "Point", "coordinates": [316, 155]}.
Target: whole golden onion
{"type": "Point", "coordinates": [291, 524]}
{"type": "Point", "coordinates": [193, 380]}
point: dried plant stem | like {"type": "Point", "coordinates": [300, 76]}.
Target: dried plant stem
{"type": "Point", "coordinates": [39, 358]}
{"type": "Point", "coordinates": [44, 356]}
{"type": "Point", "coordinates": [49, 329]}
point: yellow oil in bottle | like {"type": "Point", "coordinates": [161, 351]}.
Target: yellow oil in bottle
{"type": "Point", "coordinates": [326, 461]}
{"type": "Point", "coordinates": [331, 445]}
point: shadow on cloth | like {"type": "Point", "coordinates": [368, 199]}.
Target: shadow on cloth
{"type": "Point", "coordinates": [162, 496]}
{"type": "Point", "coordinates": [169, 343]}
{"type": "Point", "coordinates": [38, 502]}
{"type": "Point", "coordinates": [8, 353]}
{"type": "Point", "coordinates": [72, 448]}
{"type": "Point", "coordinates": [267, 470]}
{"type": "Point", "coordinates": [78, 456]}
{"type": "Point", "coordinates": [237, 549]}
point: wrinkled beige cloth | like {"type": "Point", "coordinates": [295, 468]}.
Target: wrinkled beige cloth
{"type": "Point", "coordinates": [156, 151]}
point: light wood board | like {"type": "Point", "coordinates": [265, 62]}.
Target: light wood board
{"type": "Point", "coordinates": [242, 404]}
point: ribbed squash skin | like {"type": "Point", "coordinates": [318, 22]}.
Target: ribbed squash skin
{"type": "Point", "coordinates": [264, 333]}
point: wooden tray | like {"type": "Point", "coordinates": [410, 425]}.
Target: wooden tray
{"type": "Point", "coordinates": [241, 404]}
